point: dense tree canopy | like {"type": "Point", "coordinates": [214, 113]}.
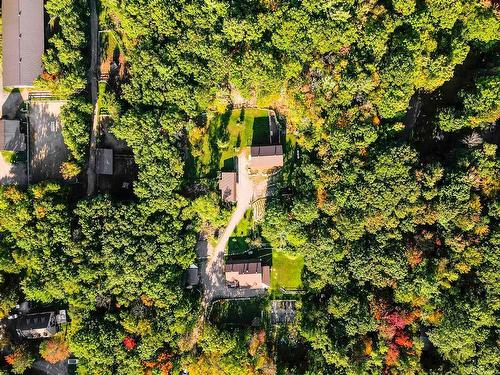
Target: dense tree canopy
{"type": "Point", "coordinates": [389, 193]}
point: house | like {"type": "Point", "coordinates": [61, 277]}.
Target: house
{"type": "Point", "coordinates": [266, 157]}
{"type": "Point", "coordinates": [11, 138]}
{"type": "Point", "coordinates": [40, 325]}
{"type": "Point", "coordinates": [104, 163]}
{"type": "Point", "coordinates": [193, 276]}
{"type": "Point", "coordinates": [23, 41]}
{"type": "Point", "coordinates": [227, 186]}
{"type": "Point", "coordinates": [251, 275]}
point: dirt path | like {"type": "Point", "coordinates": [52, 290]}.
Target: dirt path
{"type": "Point", "coordinates": [94, 26]}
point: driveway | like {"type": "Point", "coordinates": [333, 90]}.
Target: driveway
{"type": "Point", "coordinates": [12, 174]}
{"type": "Point", "coordinates": [47, 148]}
{"type": "Point", "coordinates": [212, 269]}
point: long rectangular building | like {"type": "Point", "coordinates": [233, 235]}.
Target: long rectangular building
{"type": "Point", "coordinates": [23, 41]}
{"type": "Point", "coordinates": [251, 275]}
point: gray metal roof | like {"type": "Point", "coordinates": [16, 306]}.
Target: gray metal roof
{"type": "Point", "coordinates": [35, 321]}
{"type": "Point", "coordinates": [11, 138]}
{"type": "Point", "coordinates": [23, 41]}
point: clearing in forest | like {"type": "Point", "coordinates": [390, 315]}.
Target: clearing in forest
{"type": "Point", "coordinates": [286, 270]}
{"type": "Point", "coordinates": [215, 146]}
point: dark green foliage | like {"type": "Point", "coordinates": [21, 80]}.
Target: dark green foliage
{"type": "Point", "coordinates": [76, 117]}
{"type": "Point", "coordinates": [399, 241]}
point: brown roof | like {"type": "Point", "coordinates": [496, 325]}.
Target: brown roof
{"type": "Point", "coordinates": [248, 275]}
{"type": "Point", "coordinates": [104, 161]}
{"type": "Point", "coordinates": [227, 186]}
{"type": "Point", "coordinates": [11, 138]}
{"type": "Point", "coordinates": [266, 157]}
{"type": "Point", "coordinates": [23, 41]}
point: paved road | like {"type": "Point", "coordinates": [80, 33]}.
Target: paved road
{"type": "Point", "coordinates": [94, 57]}
{"type": "Point", "coordinates": [212, 270]}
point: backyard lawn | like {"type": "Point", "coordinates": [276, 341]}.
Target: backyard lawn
{"type": "Point", "coordinates": [245, 127]}
{"type": "Point", "coordinates": [286, 270]}
{"type": "Point", "coordinates": [215, 146]}
{"type": "Point", "coordinates": [238, 240]}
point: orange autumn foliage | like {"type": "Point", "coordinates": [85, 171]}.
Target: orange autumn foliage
{"type": "Point", "coordinates": [368, 343]}
{"type": "Point", "coordinates": [404, 341]}
{"type": "Point", "coordinates": [392, 355]}
{"type": "Point", "coordinates": [10, 359]}
{"type": "Point", "coordinates": [54, 350]}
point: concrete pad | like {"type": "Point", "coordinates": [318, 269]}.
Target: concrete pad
{"type": "Point", "coordinates": [47, 148]}
{"type": "Point", "coordinates": [12, 174]}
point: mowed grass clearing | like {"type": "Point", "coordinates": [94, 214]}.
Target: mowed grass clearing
{"type": "Point", "coordinates": [214, 146]}
{"type": "Point", "coordinates": [244, 127]}
{"type": "Point", "coordinates": [286, 270]}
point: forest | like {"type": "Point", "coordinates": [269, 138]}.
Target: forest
{"type": "Point", "coordinates": [390, 192]}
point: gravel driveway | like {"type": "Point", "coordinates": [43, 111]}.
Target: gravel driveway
{"type": "Point", "coordinates": [212, 269]}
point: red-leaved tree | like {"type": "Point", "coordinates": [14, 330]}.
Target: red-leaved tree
{"type": "Point", "coordinates": [129, 343]}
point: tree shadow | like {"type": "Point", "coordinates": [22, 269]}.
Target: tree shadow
{"type": "Point", "coordinates": [218, 134]}
{"type": "Point", "coordinates": [12, 104]}
{"type": "Point", "coordinates": [229, 165]}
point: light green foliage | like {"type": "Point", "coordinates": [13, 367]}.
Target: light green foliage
{"type": "Point", "coordinates": [286, 271]}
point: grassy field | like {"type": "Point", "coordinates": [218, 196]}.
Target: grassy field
{"type": "Point", "coordinates": [238, 240]}
{"type": "Point", "coordinates": [214, 147]}
{"type": "Point", "coordinates": [286, 270]}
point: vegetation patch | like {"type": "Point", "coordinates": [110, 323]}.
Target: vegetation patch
{"type": "Point", "coordinates": [286, 271]}
{"type": "Point", "coordinates": [237, 312]}
{"type": "Point", "coordinates": [8, 156]}
{"type": "Point", "coordinates": [239, 242]}
{"type": "Point", "coordinates": [215, 146]}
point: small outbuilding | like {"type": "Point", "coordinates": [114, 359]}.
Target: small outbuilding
{"type": "Point", "coordinates": [266, 157]}
{"type": "Point", "coordinates": [104, 161]}
{"type": "Point", "coordinates": [11, 138]}
{"type": "Point", "coordinates": [23, 41]}
{"type": "Point", "coordinates": [227, 186]}
{"type": "Point", "coordinates": [193, 276]}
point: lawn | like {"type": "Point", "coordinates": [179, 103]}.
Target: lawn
{"type": "Point", "coordinates": [245, 127]}
{"type": "Point", "coordinates": [215, 146]}
{"type": "Point", "coordinates": [238, 242]}
{"type": "Point", "coordinates": [286, 270]}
